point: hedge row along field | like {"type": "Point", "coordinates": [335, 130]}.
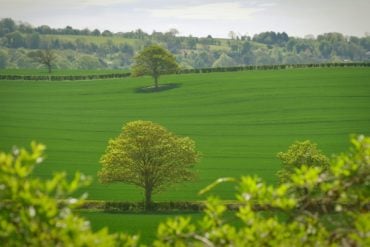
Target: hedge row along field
{"type": "Point", "coordinates": [5, 75]}
{"type": "Point", "coordinates": [63, 77]}
{"type": "Point", "coordinates": [239, 120]}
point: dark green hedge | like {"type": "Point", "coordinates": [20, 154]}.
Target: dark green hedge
{"type": "Point", "coordinates": [63, 77]}
{"type": "Point", "coordinates": [274, 67]}
{"type": "Point", "coordinates": [185, 71]}
{"type": "Point", "coordinates": [171, 206]}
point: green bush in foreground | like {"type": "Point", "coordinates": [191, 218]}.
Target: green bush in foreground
{"type": "Point", "coordinates": [39, 213]}
{"type": "Point", "coordinates": [314, 207]}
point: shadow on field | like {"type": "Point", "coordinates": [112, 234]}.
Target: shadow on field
{"type": "Point", "coordinates": [161, 88]}
{"type": "Point", "coordinates": [169, 213]}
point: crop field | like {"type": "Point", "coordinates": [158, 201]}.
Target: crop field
{"type": "Point", "coordinates": [239, 120]}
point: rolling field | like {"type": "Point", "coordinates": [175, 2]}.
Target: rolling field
{"type": "Point", "coordinates": [239, 120]}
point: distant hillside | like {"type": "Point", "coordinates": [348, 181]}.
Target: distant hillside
{"type": "Point", "coordinates": [95, 49]}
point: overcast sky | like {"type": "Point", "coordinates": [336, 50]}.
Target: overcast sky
{"type": "Point", "coordinates": [197, 17]}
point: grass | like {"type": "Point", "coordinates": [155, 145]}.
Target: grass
{"type": "Point", "coordinates": [239, 120]}
{"type": "Point", "coordinates": [144, 224]}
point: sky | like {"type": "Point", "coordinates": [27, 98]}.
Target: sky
{"type": "Point", "coordinates": [197, 17]}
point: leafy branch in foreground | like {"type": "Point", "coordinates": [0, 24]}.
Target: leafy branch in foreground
{"type": "Point", "coordinates": [34, 212]}
{"type": "Point", "coordinates": [314, 207]}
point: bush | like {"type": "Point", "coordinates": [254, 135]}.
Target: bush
{"type": "Point", "coordinates": [316, 207]}
{"type": "Point", "coordinates": [39, 213]}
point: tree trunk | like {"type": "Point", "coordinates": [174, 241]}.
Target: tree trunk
{"type": "Point", "coordinates": [156, 82]}
{"type": "Point", "coordinates": [148, 199]}
{"type": "Point", "coordinates": [49, 69]}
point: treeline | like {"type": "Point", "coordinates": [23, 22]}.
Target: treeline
{"type": "Point", "coordinates": [94, 49]}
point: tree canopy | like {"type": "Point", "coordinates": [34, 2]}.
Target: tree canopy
{"type": "Point", "coordinates": [45, 57]}
{"type": "Point", "coordinates": [299, 154]}
{"type": "Point", "coordinates": [147, 155]}
{"type": "Point", "coordinates": [154, 60]}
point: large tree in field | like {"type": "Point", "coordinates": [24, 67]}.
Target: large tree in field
{"type": "Point", "coordinates": [154, 60]}
{"type": "Point", "coordinates": [147, 155]}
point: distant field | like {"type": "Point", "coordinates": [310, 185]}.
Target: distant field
{"type": "Point", "coordinates": [60, 71]}
{"type": "Point", "coordinates": [239, 120]}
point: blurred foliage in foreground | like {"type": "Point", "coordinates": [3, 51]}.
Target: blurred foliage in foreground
{"type": "Point", "coordinates": [39, 213]}
{"type": "Point", "coordinates": [315, 206]}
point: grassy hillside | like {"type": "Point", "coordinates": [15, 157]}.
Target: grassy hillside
{"type": "Point", "coordinates": [239, 120]}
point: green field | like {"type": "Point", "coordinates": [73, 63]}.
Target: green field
{"type": "Point", "coordinates": [144, 224]}
{"type": "Point", "coordinates": [239, 120]}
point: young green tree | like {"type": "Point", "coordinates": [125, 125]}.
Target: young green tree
{"type": "Point", "coordinates": [147, 155]}
{"type": "Point", "coordinates": [154, 60]}
{"type": "Point", "coordinates": [34, 212]}
{"type": "Point", "coordinates": [299, 154]}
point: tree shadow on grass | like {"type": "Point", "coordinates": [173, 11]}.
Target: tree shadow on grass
{"type": "Point", "coordinates": [161, 88]}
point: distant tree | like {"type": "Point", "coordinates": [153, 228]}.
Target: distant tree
{"type": "Point", "coordinates": [107, 33]}
{"type": "Point", "coordinates": [33, 40]}
{"type": "Point", "coordinates": [232, 35]}
{"type": "Point", "coordinates": [44, 29]}
{"type": "Point", "coordinates": [96, 32]}
{"type": "Point", "coordinates": [68, 30]}
{"type": "Point", "coordinates": [15, 40]}
{"type": "Point", "coordinates": [7, 25]}
{"type": "Point", "coordinates": [173, 31]}
{"type": "Point", "coordinates": [224, 61]}
{"type": "Point", "coordinates": [85, 31]}
{"type": "Point", "coordinates": [147, 155]}
{"type": "Point", "coordinates": [25, 27]}
{"type": "Point", "coordinates": [154, 60]}
{"type": "Point", "coordinates": [246, 53]}
{"type": "Point", "coordinates": [88, 62]}
{"type": "Point", "coordinates": [3, 59]}
{"type": "Point", "coordinates": [300, 154]}
{"type": "Point", "coordinates": [45, 57]}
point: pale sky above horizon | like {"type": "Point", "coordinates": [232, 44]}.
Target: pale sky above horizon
{"type": "Point", "coordinates": [197, 17]}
